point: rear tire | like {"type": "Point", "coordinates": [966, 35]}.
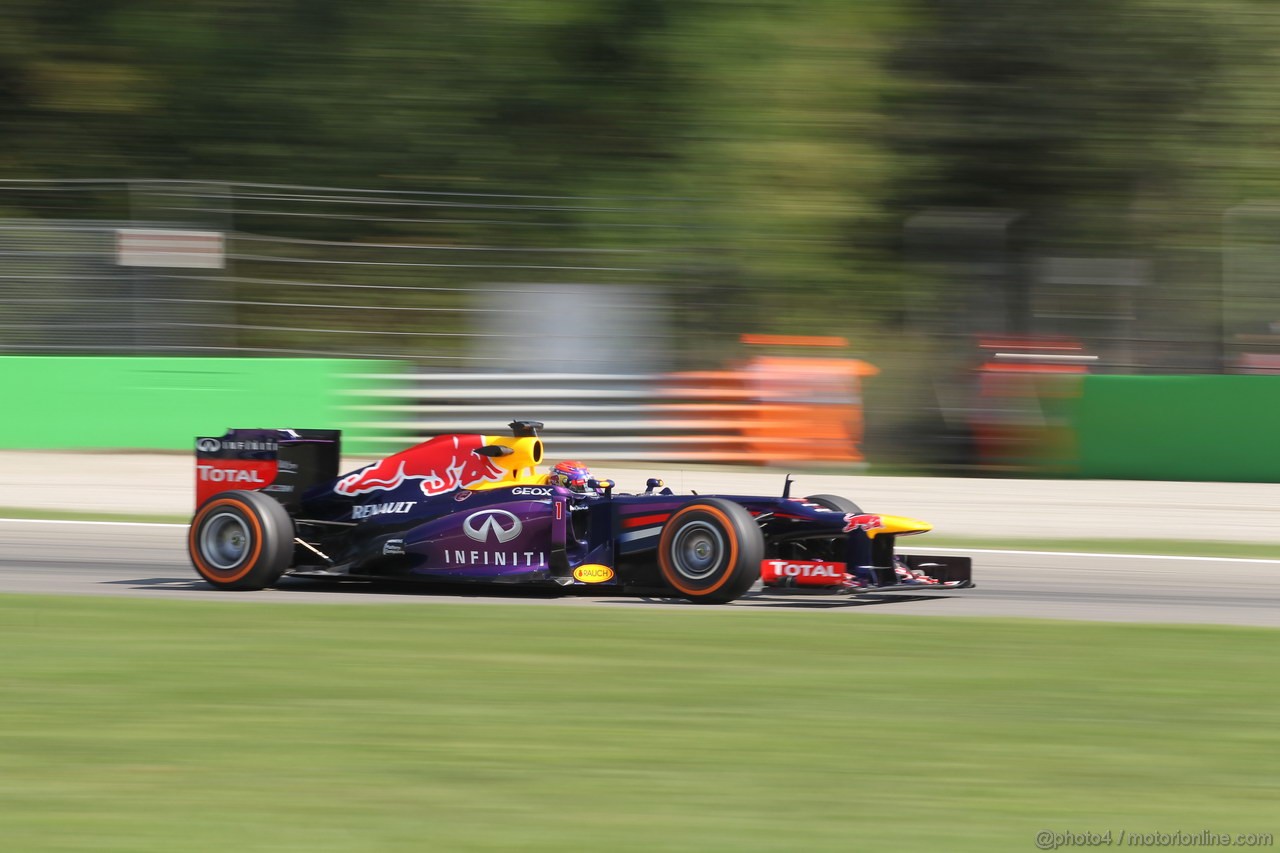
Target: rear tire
{"type": "Point", "coordinates": [710, 551]}
{"type": "Point", "coordinates": [241, 540]}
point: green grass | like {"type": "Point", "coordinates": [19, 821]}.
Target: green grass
{"type": "Point", "coordinates": [130, 725]}
{"type": "Point", "coordinates": [84, 515]}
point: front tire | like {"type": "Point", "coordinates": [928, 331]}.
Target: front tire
{"type": "Point", "coordinates": [241, 540]}
{"type": "Point", "coordinates": [710, 551]}
{"type": "Point", "coordinates": [836, 502]}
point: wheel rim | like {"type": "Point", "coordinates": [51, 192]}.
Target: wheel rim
{"type": "Point", "coordinates": [697, 550]}
{"type": "Point", "coordinates": [225, 540]}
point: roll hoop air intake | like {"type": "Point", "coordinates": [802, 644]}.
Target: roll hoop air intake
{"type": "Point", "coordinates": [523, 451]}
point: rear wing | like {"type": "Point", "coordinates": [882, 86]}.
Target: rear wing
{"type": "Point", "coordinates": [282, 463]}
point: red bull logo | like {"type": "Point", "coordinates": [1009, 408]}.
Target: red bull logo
{"type": "Point", "coordinates": [862, 522]}
{"type": "Point", "coordinates": [441, 464]}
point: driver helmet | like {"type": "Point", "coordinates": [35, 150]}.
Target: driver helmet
{"type": "Point", "coordinates": [572, 475]}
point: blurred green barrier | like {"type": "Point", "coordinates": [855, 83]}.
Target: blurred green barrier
{"type": "Point", "coordinates": [1215, 428]}
{"type": "Point", "coordinates": [144, 403]}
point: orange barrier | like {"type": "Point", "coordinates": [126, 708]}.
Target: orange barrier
{"type": "Point", "coordinates": [777, 408]}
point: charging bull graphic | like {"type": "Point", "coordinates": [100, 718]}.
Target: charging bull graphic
{"type": "Point", "coordinates": [866, 521]}
{"type": "Point", "coordinates": [442, 464]}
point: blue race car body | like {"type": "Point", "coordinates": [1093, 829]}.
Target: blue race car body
{"type": "Point", "coordinates": [475, 509]}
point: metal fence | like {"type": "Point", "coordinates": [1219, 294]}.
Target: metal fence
{"type": "Point", "coordinates": [579, 311]}
{"type": "Point", "coordinates": [454, 279]}
{"type": "Point", "coordinates": [531, 323]}
{"type": "Point", "coordinates": [736, 416]}
{"type": "Point", "coordinates": [314, 271]}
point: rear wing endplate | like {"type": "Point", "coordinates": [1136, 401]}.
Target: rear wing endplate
{"type": "Point", "coordinates": [280, 462]}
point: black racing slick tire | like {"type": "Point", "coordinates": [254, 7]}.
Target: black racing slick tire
{"type": "Point", "coordinates": [241, 540]}
{"type": "Point", "coordinates": [710, 551]}
{"type": "Point", "coordinates": [835, 502]}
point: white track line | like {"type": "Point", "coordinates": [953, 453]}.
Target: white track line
{"type": "Point", "coordinates": [905, 550]}
{"type": "Point", "coordinates": [1100, 554]}
{"type": "Point", "coordinates": [78, 521]}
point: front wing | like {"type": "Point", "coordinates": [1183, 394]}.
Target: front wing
{"type": "Point", "coordinates": [940, 574]}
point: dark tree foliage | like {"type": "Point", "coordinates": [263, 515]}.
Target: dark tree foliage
{"type": "Point", "coordinates": [780, 145]}
{"type": "Point", "coordinates": [1067, 112]}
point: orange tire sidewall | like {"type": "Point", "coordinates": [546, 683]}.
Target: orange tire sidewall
{"type": "Point", "coordinates": [668, 571]}
{"type": "Point", "coordinates": [220, 576]}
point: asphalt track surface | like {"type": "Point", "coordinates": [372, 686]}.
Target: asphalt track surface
{"type": "Point", "coordinates": [149, 561]}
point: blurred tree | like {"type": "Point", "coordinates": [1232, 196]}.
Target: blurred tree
{"type": "Point", "coordinates": [1110, 128]}
{"type": "Point", "coordinates": [773, 148]}
{"type": "Point", "coordinates": [1067, 112]}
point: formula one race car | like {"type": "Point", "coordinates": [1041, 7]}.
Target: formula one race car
{"type": "Point", "coordinates": [473, 508]}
